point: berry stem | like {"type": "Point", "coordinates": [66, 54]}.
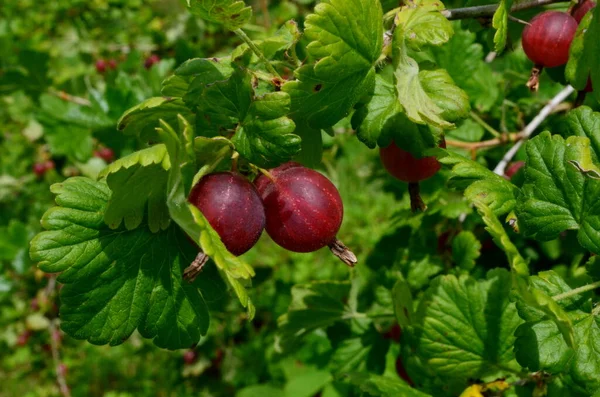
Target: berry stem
{"type": "Point", "coordinates": [267, 174]}
{"type": "Point", "coordinates": [242, 35]}
{"type": "Point", "coordinates": [343, 253]}
{"type": "Point", "coordinates": [416, 202]}
{"type": "Point", "coordinates": [534, 79]}
{"type": "Point", "coordinates": [192, 271]}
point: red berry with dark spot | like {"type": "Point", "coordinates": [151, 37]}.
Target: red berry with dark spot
{"type": "Point", "coordinates": [105, 154]}
{"type": "Point", "coordinates": [233, 208]}
{"type": "Point", "coordinates": [304, 209]}
{"type": "Point", "coordinates": [547, 38]}
{"type": "Point", "coordinates": [101, 66]}
{"type": "Point", "coordinates": [404, 166]}
{"type": "Point", "coordinates": [112, 63]}
{"type": "Point", "coordinates": [581, 9]}
{"type": "Point", "coordinates": [151, 61]}
{"type": "Point", "coordinates": [189, 356]}
{"type": "Point", "coordinates": [401, 371]}
{"type": "Point", "coordinates": [513, 168]}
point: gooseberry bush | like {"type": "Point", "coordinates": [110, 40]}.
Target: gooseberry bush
{"type": "Point", "coordinates": [230, 150]}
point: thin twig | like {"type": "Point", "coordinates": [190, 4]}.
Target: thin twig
{"type": "Point", "coordinates": [70, 98]}
{"type": "Point", "coordinates": [484, 124]}
{"type": "Point", "coordinates": [577, 291]}
{"type": "Point", "coordinates": [532, 126]}
{"type": "Point", "coordinates": [487, 11]}
{"type": "Point", "coordinates": [60, 376]}
{"type": "Point", "coordinates": [503, 139]}
{"type": "Point", "coordinates": [264, 4]}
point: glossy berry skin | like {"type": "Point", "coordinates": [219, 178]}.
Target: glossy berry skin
{"type": "Point", "coordinates": [580, 10]}
{"type": "Point", "coordinates": [233, 208]}
{"type": "Point", "coordinates": [405, 167]}
{"type": "Point", "coordinates": [101, 66]}
{"type": "Point", "coordinates": [304, 209]}
{"type": "Point", "coordinates": [546, 40]}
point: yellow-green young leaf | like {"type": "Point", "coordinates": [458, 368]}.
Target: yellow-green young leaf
{"type": "Point", "coordinates": [465, 327]}
{"type": "Point", "coordinates": [423, 24]}
{"type": "Point", "coordinates": [453, 101]}
{"type": "Point", "coordinates": [346, 37]}
{"type": "Point", "coordinates": [233, 14]}
{"type": "Point", "coordinates": [584, 122]}
{"type": "Point", "coordinates": [584, 53]}
{"type": "Point", "coordinates": [494, 227]}
{"type": "Point", "coordinates": [558, 193]}
{"type": "Point", "coordinates": [118, 280]}
{"type": "Point", "coordinates": [500, 23]}
{"type": "Point", "coordinates": [139, 188]}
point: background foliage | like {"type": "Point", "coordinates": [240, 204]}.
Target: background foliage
{"type": "Point", "coordinates": [319, 329]}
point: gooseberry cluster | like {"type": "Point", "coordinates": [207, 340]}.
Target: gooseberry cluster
{"type": "Point", "coordinates": [548, 36]}
{"type": "Point", "coordinates": [300, 209]}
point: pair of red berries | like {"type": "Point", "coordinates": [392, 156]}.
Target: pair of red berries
{"type": "Point", "coordinates": [548, 36]}
{"type": "Point", "coordinates": [301, 209]}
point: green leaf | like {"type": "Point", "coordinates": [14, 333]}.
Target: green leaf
{"type": "Point", "coordinates": [377, 115]}
{"type": "Point", "coordinates": [265, 136]}
{"type": "Point", "coordinates": [593, 267]}
{"type": "Point", "coordinates": [346, 38]}
{"type": "Point", "coordinates": [143, 119]}
{"type": "Point", "coordinates": [586, 363]}
{"type": "Point", "coordinates": [377, 385]}
{"type": "Point", "coordinates": [465, 250]}
{"type": "Point", "coordinates": [259, 391]}
{"type": "Point", "coordinates": [466, 327]}
{"type": "Point", "coordinates": [403, 303]}
{"type": "Point", "coordinates": [481, 184]}
{"type": "Point", "coordinates": [453, 101]}
{"type": "Point", "coordinates": [315, 305]}
{"type": "Point", "coordinates": [364, 353]}
{"type": "Point", "coordinates": [584, 53]}
{"type": "Point", "coordinates": [139, 188]}
{"type": "Point", "coordinates": [584, 122]}
{"type": "Point", "coordinates": [557, 195]}
{"type": "Point", "coordinates": [233, 14]}
{"type": "Point", "coordinates": [117, 280]}
{"type": "Point", "coordinates": [500, 23]}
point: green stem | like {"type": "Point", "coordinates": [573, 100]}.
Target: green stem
{"type": "Point", "coordinates": [485, 125]}
{"type": "Point", "coordinates": [242, 35]}
{"type": "Point", "coordinates": [596, 311]}
{"type": "Point", "coordinates": [582, 289]}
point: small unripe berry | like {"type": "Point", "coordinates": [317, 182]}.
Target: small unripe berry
{"type": "Point", "coordinates": [189, 357]}
{"type": "Point", "coordinates": [105, 154]}
{"type": "Point", "coordinates": [151, 61]}
{"type": "Point", "coordinates": [101, 66]}
{"type": "Point", "coordinates": [304, 209]}
{"type": "Point", "coordinates": [405, 167]}
{"type": "Point", "coordinates": [39, 169]}
{"type": "Point", "coordinates": [547, 38]}
{"type": "Point", "coordinates": [233, 208]}
{"type": "Point", "coordinates": [112, 63]}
